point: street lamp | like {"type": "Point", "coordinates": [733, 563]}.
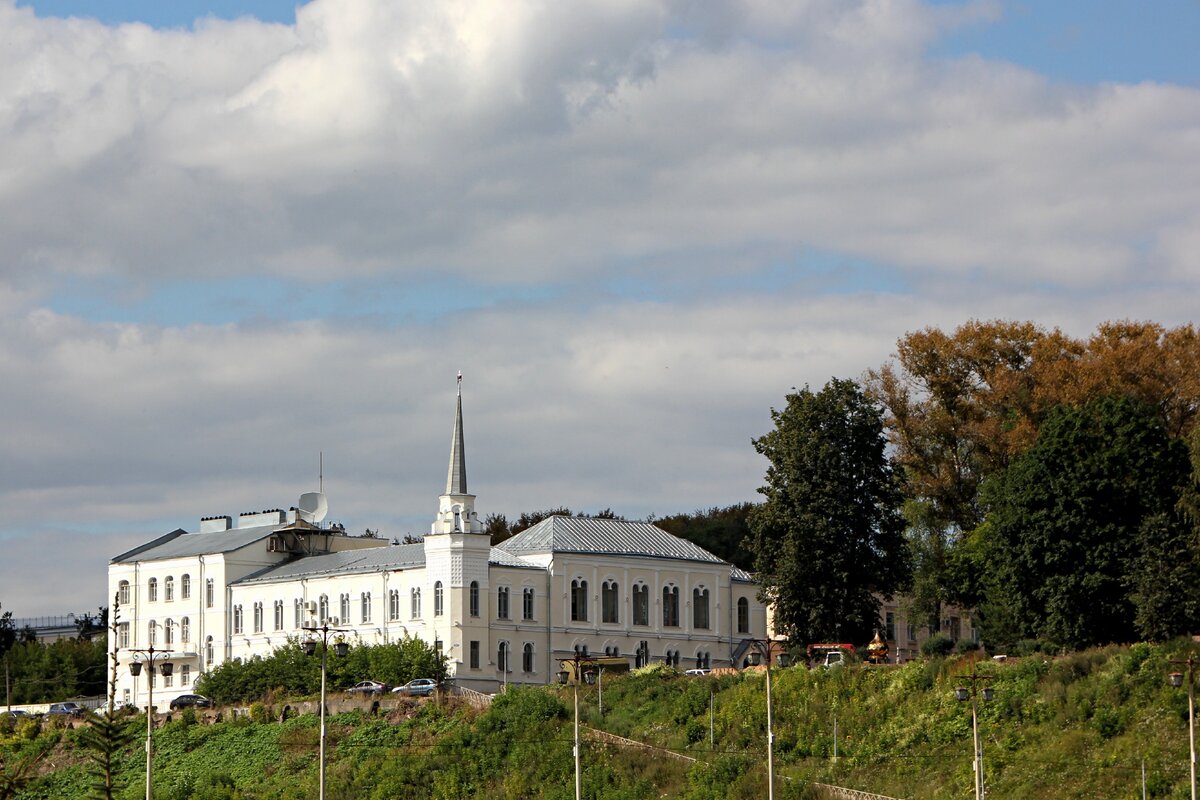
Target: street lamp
{"type": "Point", "coordinates": [563, 677]}
{"type": "Point", "coordinates": [310, 648]}
{"type": "Point", "coordinates": [1176, 679]}
{"type": "Point", "coordinates": [762, 647]}
{"type": "Point", "coordinates": [962, 693]}
{"type": "Point", "coordinates": [135, 669]}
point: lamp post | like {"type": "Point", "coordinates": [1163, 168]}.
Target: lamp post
{"type": "Point", "coordinates": [762, 647]}
{"type": "Point", "coordinates": [135, 669]}
{"type": "Point", "coordinates": [563, 677]}
{"type": "Point", "coordinates": [962, 693]}
{"type": "Point", "coordinates": [1176, 679]}
{"type": "Point", "coordinates": [310, 648]}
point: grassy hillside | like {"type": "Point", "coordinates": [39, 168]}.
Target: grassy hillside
{"type": "Point", "coordinates": [1078, 726]}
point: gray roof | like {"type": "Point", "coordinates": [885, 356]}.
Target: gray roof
{"type": "Point", "coordinates": [180, 544]}
{"type": "Point", "coordinates": [368, 559]}
{"type": "Point", "coordinates": [371, 559]}
{"type": "Point", "coordinates": [605, 537]}
{"type": "Point", "coordinates": [456, 475]}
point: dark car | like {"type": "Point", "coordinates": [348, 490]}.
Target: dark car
{"type": "Point", "coordinates": [65, 710]}
{"type": "Point", "coordinates": [16, 713]}
{"type": "Point", "coordinates": [368, 687]}
{"type": "Point", "coordinates": [417, 687]}
{"type": "Point", "coordinates": [190, 701]}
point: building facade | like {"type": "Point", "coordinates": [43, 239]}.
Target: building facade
{"type": "Point", "coordinates": [503, 614]}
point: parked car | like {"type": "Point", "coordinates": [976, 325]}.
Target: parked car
{"type": "Point", "coordinates": [16, 713]}
{"type": "Point", "coordinates": [697, 671]}
{"type": "Point", "coordinates": [66, 709]}
{"type": "Point", "coordinates": [368, 687]}
{"type": "Point", "coordinates": [189, 701]}
{"type": "Point", "coordinates": [417, 687]}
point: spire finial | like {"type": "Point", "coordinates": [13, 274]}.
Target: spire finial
{"type": "Point", "coordinates": [460, 383]}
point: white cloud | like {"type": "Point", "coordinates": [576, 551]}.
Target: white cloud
{"type": "Point", "coordinates": [685, 144]}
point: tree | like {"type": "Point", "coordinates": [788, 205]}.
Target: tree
{"type": "Point", "coordinates": [108, 733]}
{"type": "Point", "coordinates": [829, 536]}
{"type": "Point", "coordinates": [1071, 519]}
{"type": "Point", "coordinates": [721, 531]}
{"type": "Point", "coordinates": [496, 527]}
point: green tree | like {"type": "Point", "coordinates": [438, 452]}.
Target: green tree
{"type": "Point", "coordinates": [1072, 518]}
{"type": "Point", "coordinates": [830, 537]}
{"type": "Point", "coordinates": [108, 733]}
{"type": "Point", "coordinates": [721, 531]}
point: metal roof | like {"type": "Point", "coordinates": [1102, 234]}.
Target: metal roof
{"type": "Point", "coordinates": [605, 537]}
{"type": "Point", "coordinates": [369, 559]}
{"type": "Point", "coordinates": [180, 544]}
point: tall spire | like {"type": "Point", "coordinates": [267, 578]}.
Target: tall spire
{"type": "Point", "coordinates": [456, 477]}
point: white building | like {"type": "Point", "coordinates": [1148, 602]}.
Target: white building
{"type": "Point", "coordinates": [504, 614]}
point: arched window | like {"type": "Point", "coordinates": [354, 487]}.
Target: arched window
{"type": "Point", "coordinates": [700, 608]}
{"type": "Point", "coordinates": [527, 603]}
{"type": "Point", "coordinates": [152, 633]}
{"type": "Point", "coordinates": [123, 593]}
{"type": "Point", "coordinates": [323, 609]}
{"type": "Point", "coordinates": [152, 590]}
{"type": "Point", "coordinates": [502, 603]}
{"type": "Point", "coordinates": [278, 615]}
{"type": "Point", "coordinates": [437, 599]}
{"type": "Point", "coordinates": [344, 608]}
{"type": "Point", "coordinates": [457, 519]}
{"type": "Point", "coordinates": [642, 654]}
{"type": "Point", "coordinates": [671, 657]}
{"type": "Point", "coordinates": [365, 602]}
{"type": "Point", "coordinates": [474, 599]}
{"type": "Point", "coordinates": [609, 602]}
{"type": "Point", "coordinates": [641, 604]}
{"type": "Point", "coordinates": [169, 588]}
{"type": "Point", "coordinates": [743, 615]}
{"type": "Point", "coordinates": [237, 619]}
{"type": "Point", "coordinates": [258, 617]}
{"type": "Point", "coordinates": [168, 634]}
{"type": "Point", "coordinates": [502, 657]}
{"type": "Point", "coordinates": [670, 606]}
{"type": "Point", "coordinates": [208, 650]}
{"type": "Point", "coordinates": [415, 600]}
{"type": "Point", "coordinates": [185, 587]}
{"type": "Point", "coordinates": [298, 613]}
{"type": "Point", "coordinates": [393, 605]}
{"type": "Point", "coordinates": [527, 658]}
{"type": "Point", "coordinates": [579, 601]}
{"type": "Point", "coordinates": [185, 630]}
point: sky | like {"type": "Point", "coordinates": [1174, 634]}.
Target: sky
{"type": "Point", "coordinates": [240, 240]}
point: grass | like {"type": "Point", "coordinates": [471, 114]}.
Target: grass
{"type": "Point", "coordinates": [1078, 726]}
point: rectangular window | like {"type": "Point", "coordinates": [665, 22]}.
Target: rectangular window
{"type": "Point", "coordinates": [185, 676]}
{"type": "Point", "coordinates": [366, 607]}
{"type": "Point", "coordinates": [609, 603]}
{"type": "Point", "coordinates": [527, 604]}
{"type": "Point", "coordinates": [889, 627]}
{"type": "Point", "coordinates": [123, 635]}
{"type": "Point", "coordinates": [641, 605]}
{"type": "Point", "coordinates": [502, 602]}
{"type": "Point", "coordinates": [168, 679]}
{"type": "Point", "coordinates": [474, 655]}
{"type": "Point", "coordinates": [579, 600]}
{"type": "Point", "coordinates": [298, 613]}
{"type": "Point", "coordinates": [208, 593]}
{"type": "Point", "coordinates": [912, 632]}
{"type": "Point", "coordinates": [237, 619]}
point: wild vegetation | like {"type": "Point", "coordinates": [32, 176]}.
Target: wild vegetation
{"type": "Point", "coordinates": [1076, 726]}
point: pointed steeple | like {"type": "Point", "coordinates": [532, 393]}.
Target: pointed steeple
{"type": "Point", "coordinates": [456, 476]}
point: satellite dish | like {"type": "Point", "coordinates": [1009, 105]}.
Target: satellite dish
{"type": "Point", "coordinates": [313, 506]}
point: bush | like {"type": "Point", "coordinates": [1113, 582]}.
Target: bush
{"type": "Point", "coordinates": [938, 645]}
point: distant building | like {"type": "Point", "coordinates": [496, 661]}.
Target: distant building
{"type": "Point", "coordinates": [504, 614]}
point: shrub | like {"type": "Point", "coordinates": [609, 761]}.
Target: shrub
{"type": "Point", "coordinates": [938, 645]}
{"type": "Point", "coordinates": [260, 713]}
